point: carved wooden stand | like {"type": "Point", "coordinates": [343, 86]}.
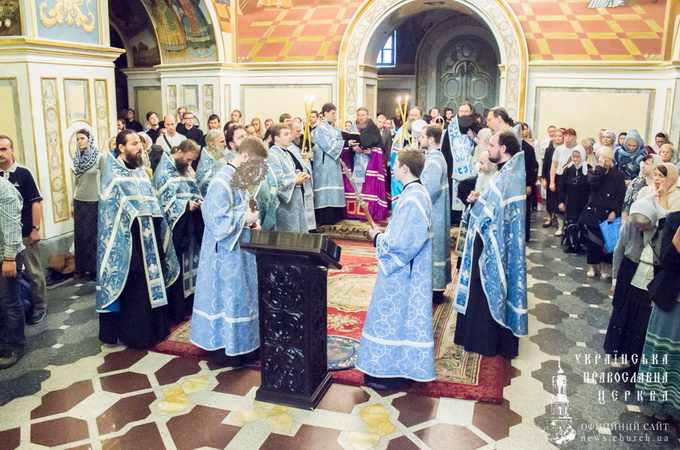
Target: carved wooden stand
{"type": "Point", "coordinates": [292, 280]}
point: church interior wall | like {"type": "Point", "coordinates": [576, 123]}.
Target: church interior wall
{"type": "Point", "coordinates": [59, 88]}
{"type": "Point", "coordinates": [264, 60]}
{"type": "Point", "coordinates": [144, 92]}
{"type": "Point", "coordinates": [588, 97]}
{"type": "Point", "coordinates": [256, 91]}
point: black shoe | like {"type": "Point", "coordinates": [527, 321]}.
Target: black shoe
{"type": "Point", "coordinates": [387, 384]}
{"type": "Point", "coordinates": [37, 317]}
{"type": "Point", "coordinates": [547, 224]}
{"type": "Point", "coordinates": [438, 297]}
{"type": "Point", "coordinates": [10, 358]}
{"type": "Point", "coordinates": [224, 360]}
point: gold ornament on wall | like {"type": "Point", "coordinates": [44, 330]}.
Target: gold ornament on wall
{"type": "Point", "coordinates": [55, 156]}
{"type": "Point", "coordinates": [68, 12]}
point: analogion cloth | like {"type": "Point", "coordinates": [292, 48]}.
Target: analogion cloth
{"type": "Point", "coordinates": [328, 186]}
{"type": "Point", "coordinates": [127, 195]}
{"type": "Point", "coordinates": [398, 340]}
{"type": "Point", "coordinates": [435, 180]}
{"type": "Point", "coordinates": [225, 305]}
{"type": "Point", "coordinates": [174, 193]}
{"type": "Point", "coordinates": [372, 188]}
{"type": "Point", "coordinates": [368, 172]}
{"type": "Point", "coordinates": [498, 217]}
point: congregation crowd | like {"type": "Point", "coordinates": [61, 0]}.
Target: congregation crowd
{"type": "Point", "coordinates": [159, 215]}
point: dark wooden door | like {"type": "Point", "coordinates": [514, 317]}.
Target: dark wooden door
{"type": "Point", "coordinates": [467, 70]}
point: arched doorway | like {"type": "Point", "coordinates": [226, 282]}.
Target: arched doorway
{"type": "Point", "coordinates": [376, 20]}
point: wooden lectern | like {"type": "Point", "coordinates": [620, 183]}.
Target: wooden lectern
{"type": "Point", "coordinates": [292, 270]}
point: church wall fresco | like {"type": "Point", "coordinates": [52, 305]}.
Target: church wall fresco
{"type": "Point", "coordinates": [311, 30]}
{"type": "Point", "coordinates": [68, 20]}
{"type": "Point", "coordinates": [185, 32]}
{"type": "Point", "coordinates": [131, 21]}
{"type": "Point", "coordinates": [10, 18]}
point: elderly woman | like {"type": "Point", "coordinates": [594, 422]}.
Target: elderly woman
{"type": "Point", "coordinates": [588, 145]}
{"type": "Point", "coordinates": [661, 352]}
{"type": "Point", "coordinates": [664, 187]}
{"type": "Point", "coordinates": [607, 190]}
{"type": "Point", "coordinates": [573, 195]}
{"type": "Point", "coordinates": [87, 165]}
{"type": "Point", "coordinates": [644, 179]}
{"type": "Point", "coordinates": [629, 157]}
{"type": "Point", "coordinates": [636, 258]}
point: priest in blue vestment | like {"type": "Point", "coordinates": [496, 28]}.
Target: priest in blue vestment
{"type": "Point", "coordinates": [436, 181]}
{"type": "Point", "coordinates": [233, 137]}
{"type": "Point", "coordinates": [304, 164]}
{"type": "Point", "coordinates": [329, 191]}
{"type": "Point", "coordinates": [214, 150]}
{"type": "Point", "coordinates": [289, 179]}
{"type": "Point", "coordinates": [225, 315]}
{"type": "Point", "coordinates": [397, 342]}
{"type": "Point", "coordinates": [180, 199]}
{"type": "Point", "coordinates": [491, 298]}
{"type": "Point", "coordinates": [457, 147]}
{"type": "Point", "coordinates": [136, 260]}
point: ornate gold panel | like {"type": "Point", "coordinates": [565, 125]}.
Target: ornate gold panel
{"type": "Point", "coordinates": [55, 156]}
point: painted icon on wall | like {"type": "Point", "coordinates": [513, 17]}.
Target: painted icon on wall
{"type": "Point", "coordinates": [10, 18]}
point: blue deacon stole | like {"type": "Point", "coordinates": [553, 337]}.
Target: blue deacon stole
{"type": "Point", "coordinates": [462, 147]}
{"type": "Point", "coordinates": [127, 195]}
{"type": "Point", "coordinates": [174, 191]}
{"type": "Point", "coordinates": [498, 216]}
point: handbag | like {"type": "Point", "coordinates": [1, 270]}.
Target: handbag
{"type": "Point", "coordinates": [610, 232]}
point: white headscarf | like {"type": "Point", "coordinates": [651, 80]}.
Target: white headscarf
{"type": "Point", "coordinates": [584, 165]}
{"type": "Point", "coordinates": [650, 208]}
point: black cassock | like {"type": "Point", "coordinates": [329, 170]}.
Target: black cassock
{"type": "Point", "coordinates": [189, 226]}
{"type": "Point", "coordinates": [136, 325]}
{"type": "Point", "coordinates": [476, 330]}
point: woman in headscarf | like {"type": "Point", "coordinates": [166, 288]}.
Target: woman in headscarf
{"type": "Point", "coordinates": [607, 189]}
{"type": "Point", "coordinates": [589, 145]}
{"type": "Point", "coordinates": [259, 129]}
{"type": "Point", "coordinates": [664, 187]}
{"type": "Point", "coordinates": [572, 196]}
{"type": "Point", "coordinates": [644, 179]}
{"type": "Point", "coordinates": [660, 367]}
{"type": "Point", "coordinates": [86, 168]}
{"type": "Point", "coordinates": [629, 157]}
{"type": "Point", "coordinates": [636, 256]}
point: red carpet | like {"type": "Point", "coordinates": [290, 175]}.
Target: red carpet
{"type": "Point", "coordinates": [459, 374]}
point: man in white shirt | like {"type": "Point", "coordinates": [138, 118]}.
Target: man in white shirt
{"type": "Point", "coordinates": [171, 138]}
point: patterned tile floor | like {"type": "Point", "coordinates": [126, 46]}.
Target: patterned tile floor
{"type": "Point", "coordinates": [70, 391]}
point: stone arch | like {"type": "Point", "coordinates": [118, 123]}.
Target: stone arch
{"type": "Point", "coordinates": [354, 55]}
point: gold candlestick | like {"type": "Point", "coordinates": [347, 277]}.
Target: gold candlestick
{"type": "Point", "coordinates": [307, 135]}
